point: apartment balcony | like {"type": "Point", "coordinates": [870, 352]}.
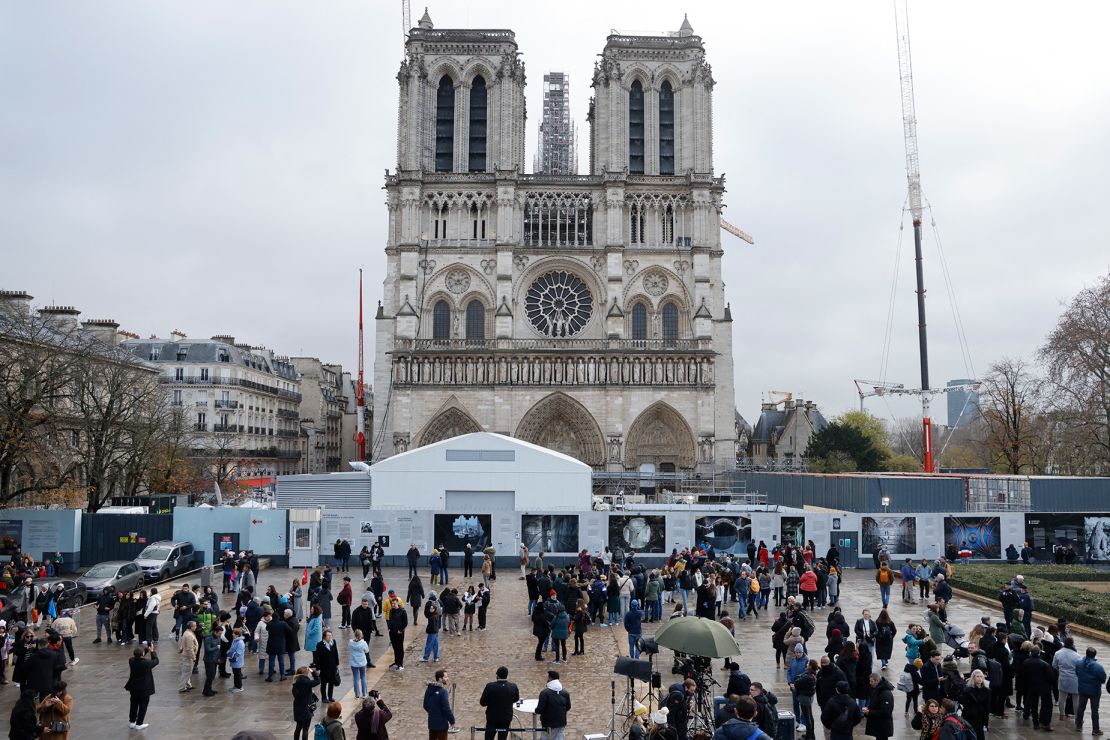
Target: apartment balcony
{"type": "Point", "coordinates": [288, 414]}
{"type": "Point", "coordinates": [287, 433]}
{"type": "Point", "coordinates": [202, 404]}
{"type": "Point", "coordinates": [225, 428]}
{"type": "Point", "coordinates": [241, 382]}
{"type": "Point", "coordinates": [221, 404]}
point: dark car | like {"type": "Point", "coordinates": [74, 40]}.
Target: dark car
{"type": "Point", "coordinates": [7, 611]}
{"type": "Point", "coordinates": [74, 593]}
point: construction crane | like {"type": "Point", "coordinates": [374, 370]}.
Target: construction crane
{"type": "Point", "coordinates": [777, 397]}
{"type": "Point", "coordinates": [736, 231]}
{"type": "Point", "coordinates": [875, 388]}
{"type": "Point", "coordinates": [913, 178]}
{"type": "Point", "coordinates": [406, 20]}
{"type": "Point", "coordinates": [360, 392]}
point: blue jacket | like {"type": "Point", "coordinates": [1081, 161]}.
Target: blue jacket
{"type": "Point", "coordinates": [560, 626]}
{"type": "Point", "coordinates": [796, 668]}
{"type": "Point", "coordinates": [235, 653]}
{"type": "Point", "coordinates": [632, 621]}
{"type": "Point", "coordinates": [358, 652]}
{"type": "Point", "coordinates": [313, 633]}
{"type": "Point", "coordinates": [438, 706]}
{"type": "Point", "coordinates": [738, 729]}
{"type": "Point", "coordinates": [1091, 677]}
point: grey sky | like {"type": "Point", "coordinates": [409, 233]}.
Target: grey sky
{"type": "Point", "coordinates": [216, 167]}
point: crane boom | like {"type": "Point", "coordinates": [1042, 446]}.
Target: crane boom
{"type": "Point", "coordinates": [360, 393]}
{"type": "Point", "coordinates": [736, 231]}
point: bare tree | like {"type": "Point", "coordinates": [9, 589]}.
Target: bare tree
{"type": "Point", "coordinates": [1077, 355]}
{"type": "Point", "coordinates": [1010, 403]}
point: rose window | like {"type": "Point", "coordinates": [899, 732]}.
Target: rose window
{"type": "Point", "coordinates": [558, 304]}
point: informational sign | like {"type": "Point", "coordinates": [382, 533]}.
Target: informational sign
{"type": "Point", "coordinates": [11, 536]}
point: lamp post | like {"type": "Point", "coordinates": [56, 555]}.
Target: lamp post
{"type": "Point", "coordinates": [886, 504]}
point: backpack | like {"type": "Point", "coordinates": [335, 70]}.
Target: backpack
{"type": "Point", "coordinates": [807, 625]}
{"type": "Point", "coordinates": [963, 729]}
{"type": "Point", "coordinates": [320, 732]}
{"type": "Point", "coordinates": [905, 683]}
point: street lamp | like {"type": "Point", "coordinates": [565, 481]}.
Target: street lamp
{"type": "Point", "coordinates": [886, 504]}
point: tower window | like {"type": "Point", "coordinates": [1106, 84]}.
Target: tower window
{"type": "Point", "coordinates": [670, 323]}
{"type": "Point", "coordinates": [639, 321]}
{"type": "Point", "coordinates": [475, 320]}
{"type": "Point", "coordinates": [445, 125]}
{"type": "Point", "coordinates": [666, 129]}
{"type": "Point", "coordinates": [668, 225]}
{"type": "Point", "coordinates": [441, 320]}
{"type": "Point", "coordinates": [636, 224]}
{"type": "Point", "coordinates": [636, 129]}
{"type": "Point", "coordinates": [478, 125]}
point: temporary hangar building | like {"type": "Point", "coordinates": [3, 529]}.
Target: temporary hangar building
{"type": "Point", "coordinates": [482, 472]}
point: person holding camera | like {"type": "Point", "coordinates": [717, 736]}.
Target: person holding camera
{"type": "Point", "coordinates": [54, 712]}
{"type": "Point", "coordinates": [372, 718]}
{"type": "Point", "coordinates": [140, 684]}
{"type": "Point", "coordinates": [304, 700]}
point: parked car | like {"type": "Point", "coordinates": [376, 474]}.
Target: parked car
{"type": "Point", "coordinates": [7, 611]}
{"type": "Point", "coordinates": [74, 593]}
{"type": "Point", "coordinates": [166, 559]}
{"type": "Point", "coordinates": [125, 575]}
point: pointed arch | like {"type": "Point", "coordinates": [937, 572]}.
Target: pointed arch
{"type": "Point", "coordinates": [561, 423]}
{"type": "Point", "coordinates": [636, 128]}
{"type": "Point", "coordinates": [478, 120]}
{"type": "Point", "coordinates": [666, 129]}
{"type": "Point", "coordinates": [445, 124]}
{"type": "Point", "coordinates": [659, 435]}
{"type": "Point", "coordinates": [452, 420]}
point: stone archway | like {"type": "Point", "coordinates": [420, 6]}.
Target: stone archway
{"type": "Point", "coordinates": [660, 436]}
{"type": "Point", "coordinates": [450, 422]}
{"type": "Point", "coordinates": [560, 423]}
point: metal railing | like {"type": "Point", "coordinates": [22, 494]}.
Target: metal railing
{"type": "Point", "coordinates": [221, 404]}
{"type": "Point", "coordinates": [555, 345]}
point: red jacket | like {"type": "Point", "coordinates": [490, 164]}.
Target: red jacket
{"type": "Point", "coordinates": [807, 581]}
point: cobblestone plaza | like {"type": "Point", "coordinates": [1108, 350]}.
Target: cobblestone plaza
{"type": "Point", "coordinates": [100, 703]}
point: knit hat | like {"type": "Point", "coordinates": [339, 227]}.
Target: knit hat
{"type": "Point", "coordinates": [917, 663]}
{"type": "Point", "coordinates": [639, 709]}
{"type": "Point", "coordinates": [799, 649]}
{"type": "Point", "coordinates": [842, 687]}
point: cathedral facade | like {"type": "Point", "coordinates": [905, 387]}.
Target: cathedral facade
{"type": "Point", "coordinates": [584, 313]}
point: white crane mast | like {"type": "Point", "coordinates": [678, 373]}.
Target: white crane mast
{"type": "Point", "coordinates": [909, 114]}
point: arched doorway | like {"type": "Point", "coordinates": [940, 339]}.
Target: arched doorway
{"type": "Point", "coordinates": [450, 422]}
{"type": "Point", "coordinates": [661, 437]}
{"type": "Point", "coordinates": [560, 423]}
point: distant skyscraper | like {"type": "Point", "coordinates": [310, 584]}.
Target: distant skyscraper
{"type": "Point", "coordinates": [956, 405]}
{"type": "Point", "coordinates": [557, 153]}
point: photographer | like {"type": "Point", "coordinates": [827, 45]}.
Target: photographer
{"type": "Point", "coordinates": [304, 700]}
{"type": "Point", "coordinates": [372, 718]}
{"type": "Point", "coordinates": [140, 684]}
{"type": "Point", "coordinates": [54, 713]}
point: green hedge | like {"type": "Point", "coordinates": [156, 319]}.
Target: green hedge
{"type": "Point", "coordinates": [1050, 596]}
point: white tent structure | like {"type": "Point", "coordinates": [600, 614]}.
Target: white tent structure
{"type": "Point", "coordinates": [482, 472]}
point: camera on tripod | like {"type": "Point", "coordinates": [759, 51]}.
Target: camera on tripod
{"type": "Point", "coordinates": [691, 666]}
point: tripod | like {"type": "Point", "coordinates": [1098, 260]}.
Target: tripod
{"type": "Point", "coordinates": [621, 719]}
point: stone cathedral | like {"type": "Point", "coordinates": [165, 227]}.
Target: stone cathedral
{"type": "Point", "coordinates": [584, 313]}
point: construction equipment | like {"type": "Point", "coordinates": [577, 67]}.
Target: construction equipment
{"type": "Point", "coordinates": [360, 392]}
{"type": "Point", "coordinates": [406, 20]}
{"type": "Point", "coordinates": [777, 397]}
{"type": "Point", "coordinates": [736, 231]}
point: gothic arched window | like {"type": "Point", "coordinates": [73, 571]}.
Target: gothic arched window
{"type": "Point", "coordinates": [636, 129]}
{"type": "Point", "coordinates": [670, 322]}
{"type": "Point", "coordinates": [478, 125]}
{"type": "Point", "coordinates": [441, 320]}
{"type": "Point", "coordinates": [445, 125]}
{"type": "Point", "coordinates": [666, 129]}
{"type": "Point", "coordinates": [639, 321]}
{"type": "Point", "coordinates": [475, 320]}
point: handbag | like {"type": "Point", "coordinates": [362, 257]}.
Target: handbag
{"type": "Point", "coordinates": [59, 727]}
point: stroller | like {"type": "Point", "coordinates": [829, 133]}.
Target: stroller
{"type": "Point", "coordinates": [957, 640]}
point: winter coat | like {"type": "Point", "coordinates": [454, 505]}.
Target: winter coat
{"type": "Point", "coordinates": [880, 710]}
{"type": "Point", "coordinates": [560, 627]}
{"type": "Point", "coordinates": [438, 706]}
{"type": "Point", "coordinates": [738, 729]}
{"type": "Point", "coordinates": [913, 646]}
{"type": "Point", "coordinates": [1065, 662]}
{"type": "Point", "coordinates": [840, 714]}
{"type": "Point", "coordinates": [364, 721]}
{"type": "Point", "coordinates": [1090, 676]}
{"type": "Point", "coordinates": [975, 704]}
{"type": "Point", "coordinates": [278, 637]}
{"type": "Point", "coordinates": [303, 697]}
{"type": "Point", "coordinates": [313, 633]}
{"type": "Point", "coordinates": [884, 640]}
{"type": "Point", "coordinates": [937, 632]}
{"type": "Point", "coordinates": [326, 658]}
{"type": "Point", "coordinates": [50, 712]}
{"type": "Point", "coordinates": [358, 652]}
{"type": "Point", "coordinates": [553, 706]}
{"type": "Point", "coordinates": [211, 648]}
{"type": "Point", "coordinates": [236, 654]}
{"type": "Point", "coordinates": [140, 682]}
{"type": "Point", "coordinates": [1038, 676]}
{"type": "Point", "coordinates": [827, 679]}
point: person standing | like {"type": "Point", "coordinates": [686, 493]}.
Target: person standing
{"type": "Point", "coordinates": [396, 622]}
{"type": "Point", "coordinates": [1091, 677]}
{"type": "Point", "coordinates": [468, 561]}
{"type": "Point", "coordinates": [880, 709]}
{"type": "Point", "coordinates": [140, 684]}
{"type": "Point", "coordinates": [866, 630]}
{"type": "Point", "coordinates": [333, 724]}
{"type": "Point", "coordinates": [840, 715]}
{"type": "Point", "coordinates": [560, 631]}
{"type": "Point", "coordinates": [54, 713]}
{"type": "Point", "coordinates": [236, 656]}
{"type": "Point", "coordinates": [150, 612]}
{"type": "Point", "coordinates": [885, 578]}
{"type": "Point", "coordinates": [1064, 662]}
{"type": "Point", "coordinates": [346, 595]}
{"type": "Point", "coordinates": [365, 560]}
{"type": "Point", "coordinates": [885, 632]}
{"type": "Point", "coordinates": [187, 650]}
{"type": "Point", "coordinates": [1039, 679]}
{"type": "Point", "coordinates": [104, 604]}
{"type": "Point", "coordinates": [552, 708]}
{"type": "Point", "coordinates": [433, 620]}
{"type": "Point", "coordinates": [437, 704]}
{"type": "Point", "coordinates": [276, 641]}
{"type": "Point", "coordinates": [483, 599]}
{"type": "Point", "coordinates": [304, 701]}
{"type": "Point", "coordinates": [358, 654]}
{"type": "Point", "coordinates": [326, 657]}
{"type": "Point", "coordinates": [580, 623]}
{"type": "Point", "coordinates": [24, 721]}
{"type": "Point", "coordinates": [413, 558]}
{"type": "Point", "coordinates": [372, 718]}
{"type": "Point", "coordinates": [499, 697]}
{"type": "Point", "coordinates": [414, 596]}
{"type": "Point", "coordinates": [975, 703]}
{"type": "Point", "coordinates": [211, 658]}
{"type": "Point", "coordinates": [541, 628]}
{"type": "Point", "coordinates": [67, 628]}
{"type": "Point", "coordinates": [292, 643]}
{"type": "Point", "coordinates": [487, 570]}
{"type": "Point", "coordinates": [362, 618]}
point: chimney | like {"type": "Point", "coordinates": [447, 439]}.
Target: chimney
{"type": "Point", "coordinates": [105, 330]}
{"type": "Point", "coordinates": [177, 335]}
{"type": "Point", "coordinates": [15, 302]}
{"type": "Point", "coordinates": [226, 339]}
{"type": "Point", "coordinates": [61, 317]}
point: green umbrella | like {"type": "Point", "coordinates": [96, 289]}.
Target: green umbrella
{"type": "Point", "coordinates": [698, 636]}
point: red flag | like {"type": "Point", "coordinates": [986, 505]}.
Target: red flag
{"type": "Point", "coordinates": [304, 576]}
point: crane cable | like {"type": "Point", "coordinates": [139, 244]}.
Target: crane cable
{"type": "Point", "coordinates": [957, 318]}
{"type": "Point", "coordinates": [884, 363]}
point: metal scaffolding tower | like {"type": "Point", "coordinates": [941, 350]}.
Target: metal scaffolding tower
{"type": "Point", "coordinates": [557, 153]}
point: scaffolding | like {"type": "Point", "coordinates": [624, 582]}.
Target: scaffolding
{"type": "Point", "coordinates": [557, 153]}
{"type": "Point", "coordinates": [617, 489]}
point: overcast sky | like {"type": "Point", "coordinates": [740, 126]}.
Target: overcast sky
{"type": "Point", "coordinates": [216, 167]}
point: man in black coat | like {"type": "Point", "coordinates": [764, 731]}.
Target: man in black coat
{"type": "Point", "coordinates": [362, 618]}
{"type": "Point", "coordinates": [931, 675]}
{"type": "Point", "coordinates": [880, 708]}
{"type": "Point", "coordinates": [499, 697]}
{"type": "Point", "coordinates": [541, 628]}
{"type": "Point", "coordinates": [140, 684]}
{"type": "Point", "coordinates": [840, 715]}
{"type": "Point", "coordinates": [278, 634]}
{"type": "Point", "coordinates": [828, 676]}
{"type": "Point", "coordinates": [41, 664]}
{"type": "Point", "coordinates": [413, 558]}
{"type": "Point", "coordinates": [397, 623]}
{"type": "Point", "coordinates": [553, 705]}
{"type": "Point", "coordinates": [1039, 678]}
